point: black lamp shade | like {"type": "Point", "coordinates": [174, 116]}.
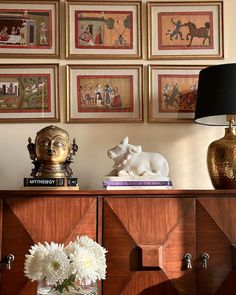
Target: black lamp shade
{"type": "Point", "coordinates": [216, 95]}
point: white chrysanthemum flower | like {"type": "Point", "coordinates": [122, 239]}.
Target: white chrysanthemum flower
{"type": "Point", "coordinates": [85, 241]}
{"type": "Point", "coordinates": [83, 260]}
{"type": "Point", "coordinates": [84, 265]}
{"type": "Point", "coordinates": [56, 266]}
{"type": "Point", "coordinates": [98, 251]}
{"type": "Point", "coordinates": [34, 262]}
{"type": "Point", "coordinates": [54, 246]}
{"type": "Point", "coordinates": [70, 248]}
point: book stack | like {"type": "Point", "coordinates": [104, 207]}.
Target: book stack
{"type": "Point", "coordinates": [54, 183]}
{"type": "Point", "coordinates": [134, 183]}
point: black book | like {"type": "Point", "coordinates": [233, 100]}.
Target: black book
{"type": "Point", "coordinates": [50, 182]}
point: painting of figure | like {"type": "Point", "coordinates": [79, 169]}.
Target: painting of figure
{"type": "Point", "coordinates": [105, 93]}
{"type": "Point", "coordinates": [177, 93]}
{"type": "Point", "coordinates": [173, 92]}
{"type": "Point", "coordinates": [185, 30]}
{"type": "Point", "coordinates": [25, 28]}
{"type": "Point", "coordinates": [104, 29]}
{"type": "Point", "coordinates": [25, 93]}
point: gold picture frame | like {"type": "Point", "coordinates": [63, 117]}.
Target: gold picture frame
{"type": "Point", "coordinates": [186, 30]}
{"type": "Point", "coordinates": [102, 94]}
{"type": "Point", "coordinates": [29, 93]}
{"type": "Point", "coordinates": [30, 29]}
{"type": "Point", "coordinates": [172, 93]}
{"type": "Point", "coordinates": [103, 29]}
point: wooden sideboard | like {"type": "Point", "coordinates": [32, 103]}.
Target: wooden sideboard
{"type": "Point", "coordinates": [147, 235]}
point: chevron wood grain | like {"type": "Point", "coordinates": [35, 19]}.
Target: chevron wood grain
{"type": "Point", "coordinates": [27, 221]}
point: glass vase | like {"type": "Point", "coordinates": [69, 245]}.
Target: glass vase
{"type": "Point", "coordinates": [44, 289]}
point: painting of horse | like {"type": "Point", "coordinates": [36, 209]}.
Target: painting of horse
{"type": "Point", "coordinates": [202, 32]}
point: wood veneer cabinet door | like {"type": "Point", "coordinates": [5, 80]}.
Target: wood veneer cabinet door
{"type": "Point", "coordinates": [216, 235]}
{"type": "Point", "coordinates": [147, 239]}
{"type": "Point", "coordinates": [26, 221]}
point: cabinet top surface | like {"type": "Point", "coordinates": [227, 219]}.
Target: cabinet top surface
{"type": "Point", "coordinates": [130, 193]}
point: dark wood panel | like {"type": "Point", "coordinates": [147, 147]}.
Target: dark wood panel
{"type": "Point", "coordinates": [146, 233]}
{"type": "Point", "coordinates": [28, 221]}
{"type": "Point", "coordinates": [228, 286]}
{"type": "Point", "coordinates": [15, 240]}
{"type": "Point", "coordinates": [223, 212]}
{"type": "Point", "coordinates": [215, 234]}
{"type": "Point", "coordinates": [130, 225]}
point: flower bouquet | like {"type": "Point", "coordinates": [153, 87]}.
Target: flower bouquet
{"type": "Point", "coordinates": [66, 270]}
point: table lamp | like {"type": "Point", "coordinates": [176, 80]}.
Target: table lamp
{"type": "Point", "coordinates": [216, 106]}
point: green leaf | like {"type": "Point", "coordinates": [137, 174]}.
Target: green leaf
{"type": "Point", "coordinates": [127, 22]}
{"type": "Point", "coordinates": [110, 23]}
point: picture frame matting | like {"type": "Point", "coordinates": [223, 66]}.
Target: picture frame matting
{"type": "Point", "coordinates": [29, 93]}
{"type": "Point", "coordinates": [102, 94]}
{"type": "Point", "coordinates": [190, 30]}
{"type": "Point", "coordinates": [103, 29]}
{"type": "Point", "coordinates": [30, 29]}
{"type": "Point", "coordinates": [172, 93]}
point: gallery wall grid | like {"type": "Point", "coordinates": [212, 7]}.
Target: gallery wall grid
{"type": "Point", "coordinates": [135, 37]}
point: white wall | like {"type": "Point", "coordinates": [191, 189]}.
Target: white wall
{"type": "Point", "coordinates": [183, 144]}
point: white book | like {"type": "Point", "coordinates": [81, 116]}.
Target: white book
{"type": "Point", "coordinates": [136, 178]}
{"type": "Point", "coordinates": [139, 187]}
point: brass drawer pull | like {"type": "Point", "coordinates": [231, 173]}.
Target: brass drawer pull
{"type": "Point", "coordinates": [187, 260]}
{"type": "Point", "coordinates": [205, 258]}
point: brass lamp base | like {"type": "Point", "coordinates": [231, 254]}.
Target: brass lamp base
{"type": "Point", "coordinates": [221, 160]}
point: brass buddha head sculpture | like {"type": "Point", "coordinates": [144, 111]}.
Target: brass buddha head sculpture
{"type": "Point", "coordinates": [52, 153]}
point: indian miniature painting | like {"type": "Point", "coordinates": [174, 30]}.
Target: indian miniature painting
{"type": "Point", "coordinates": [105, 93]}
{"type": "Point", "coordinates": [21, 28]}
{"type": "Point", "coordinates": [25, 93]}
{"type": "Point", "coordinates": [104, 29]}
{"type": "Point", "coordinates": [173, 93]}
{"type": "Point", "coordinates": [185, 30]}
{"type": "Point", "coordinates": [177, 93]}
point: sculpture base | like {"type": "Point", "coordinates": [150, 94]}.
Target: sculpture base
{"type": "Point", "coordinates": [136, 182]}
{"type": "Point", "coordinates": [51, 182]}
{"type": "Point", "coordinates": [135, 177]}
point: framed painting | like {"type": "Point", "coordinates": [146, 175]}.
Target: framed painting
{"type": "Point", "coordinates": [29, 93]}
{"type": "Point", "coordinates": [172, 93]}
{"type": "Point", "coordinates": [29, 28]}
{"type": "Point", "coordinates": [100, 94]}
{"type": "Point", "coordinates": [185, 29]}
{"type": "Point", "coordinates": [103, 29]}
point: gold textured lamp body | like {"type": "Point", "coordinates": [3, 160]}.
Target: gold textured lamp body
{"type": "Point", "coordinates": [216, 106]}
{"type": "Point", "coordinates": [221, 160]}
